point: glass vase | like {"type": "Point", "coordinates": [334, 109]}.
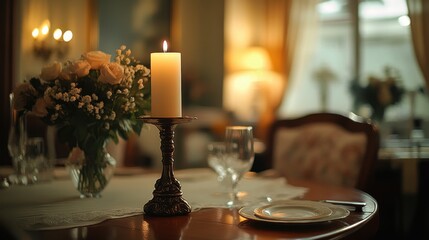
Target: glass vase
{"type": "Point", "coordinates": [17, 140]}
{"type": "Point", "coordinates": [90, 170]}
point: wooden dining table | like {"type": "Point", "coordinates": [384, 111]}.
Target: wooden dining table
{"type": "Point", "coordinates": [226, 223]}
{"type": "Point", "coordinates": [217, 222]}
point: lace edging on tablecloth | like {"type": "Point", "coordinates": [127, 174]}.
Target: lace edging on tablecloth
{"type": "Point", "coordinates": [49, 222]}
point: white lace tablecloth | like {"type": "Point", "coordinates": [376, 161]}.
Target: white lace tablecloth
{"type": "Point", "coordinates": [56, 204]}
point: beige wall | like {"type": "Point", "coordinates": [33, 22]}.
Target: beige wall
{"type": "Point", "coordinates": [64, 14]}
{"type": "Point", "coordinates": [198, 30]}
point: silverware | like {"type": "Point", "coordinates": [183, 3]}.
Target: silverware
{"type": "Point", "coordinates": [358, 206]}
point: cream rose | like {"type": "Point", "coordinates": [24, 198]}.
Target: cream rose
{"type": "Point", "coordinates": [48, 100]}
{"type": "Point", "coordinates": [51, 71]}
{"type": "Point", "coordinates": [76, 156]}
{"type": "Point", "coordinates": [81, 67]}
{"type": "Point", "coordinates": [39, 108]}
{"type": "Point", "coordinates": [111, 73]}
{"type": "Point", "coordinates": [66, 73]}
{"type": "Point", "coordinates": [23, 95]}
{"type": "Point", "coordinates": [96, 58]}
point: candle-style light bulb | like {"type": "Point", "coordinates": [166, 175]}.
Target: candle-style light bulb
{"type": "Point", "coordinates": [57, 34]}
{"type": "Point", "coordinates": [35, 33]}
{"type": "Point", "coordinates": [67, 36]}
{"type": "Point", "coordinates": [45, 30]}
{"type": "Point", "coordinates": [164, 46]}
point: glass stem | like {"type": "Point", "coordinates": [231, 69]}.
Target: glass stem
{"type": "Point", "coordinates": [233, 193]}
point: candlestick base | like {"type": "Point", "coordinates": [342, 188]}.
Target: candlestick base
{"type": "Point", "coordinates": [167, 197]}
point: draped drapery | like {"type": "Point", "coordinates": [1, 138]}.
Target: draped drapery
{"type": "Point", "coordinates": [289, 33]}
{"type": "Point", "coordinates": [419, 15]}
{"type": "Point", "coordinates": [284, 28]}
{"type": "Point", "coordinates": [7, 42]}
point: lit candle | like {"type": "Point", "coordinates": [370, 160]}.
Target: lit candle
{"type": "Point", "coordinates": [166, 90]}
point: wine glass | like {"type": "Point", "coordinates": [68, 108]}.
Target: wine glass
{"type": "Point", "coordinates": [215, 158]}
{"type": "Point", "coordinates": [216, 161]}
{"type": "Point", "coordinates": [238, 159]}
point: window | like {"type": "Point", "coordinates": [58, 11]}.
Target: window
{"type": "Point", "coordinates": [383, 40]}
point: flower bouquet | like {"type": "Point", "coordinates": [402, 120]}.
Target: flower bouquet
{"type": "Point", "coordinates": [379, 93]}
{"type": "Point", "coordinates": [89, 100]}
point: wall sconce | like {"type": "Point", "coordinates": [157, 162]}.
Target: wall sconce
{"type": "Point", "coordinates": [44, 46]}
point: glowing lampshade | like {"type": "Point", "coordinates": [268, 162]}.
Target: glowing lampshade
{"type": "Point", "coordinates": [255, 59]}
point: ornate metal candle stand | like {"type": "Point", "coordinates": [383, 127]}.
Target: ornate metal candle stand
{"type": "Point", "coordinates": [167, 197]}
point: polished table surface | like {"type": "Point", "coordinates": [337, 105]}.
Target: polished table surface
{"type": "Point", "coordinates": [222, 223]}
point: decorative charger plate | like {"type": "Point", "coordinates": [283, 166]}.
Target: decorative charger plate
{"type": "Point", "coordinates": [337, 212]}
{"type": "Point", "coordinates": [294, 210]}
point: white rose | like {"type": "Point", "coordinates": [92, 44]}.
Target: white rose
{"type": "Point", "coordinates": [39, 108]}
{"type": "Point", "coordinates": [23, 95]}
{"type": "Point", "coordinates": [111, 73]}
{"type": "Point", "coordinates": [96, 58]}
{"type": "Point", "coordinates": [81, 67]}
{"type": "Point", "coordinates": [51, 71]}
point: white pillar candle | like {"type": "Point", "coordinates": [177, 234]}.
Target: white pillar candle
{"type": "Point", "coordinates": [166, 90]}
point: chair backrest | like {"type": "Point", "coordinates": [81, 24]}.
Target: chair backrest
{"type": "Point", "coordinates": [326, 147]}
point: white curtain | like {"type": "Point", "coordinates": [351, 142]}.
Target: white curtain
{"type": "Point", "coordinates": [285, 28]}
{"type": "Point", "coordinates": [291, 27]}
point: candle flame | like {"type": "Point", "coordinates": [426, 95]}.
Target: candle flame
{"type": "Point", "coordinates": [164, 46]}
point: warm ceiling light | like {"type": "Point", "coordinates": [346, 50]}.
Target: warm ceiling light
{"type": "Point", "coordinates": [404, 21]}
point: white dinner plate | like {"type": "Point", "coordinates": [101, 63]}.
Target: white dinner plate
{"type": "Point", "coordinates": [338, 212]}
{"type": "Point", "coordinates": [294, 210]}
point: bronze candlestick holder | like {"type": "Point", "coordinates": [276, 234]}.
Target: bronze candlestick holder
{"type": "Point", "coordinates": [167, 197]}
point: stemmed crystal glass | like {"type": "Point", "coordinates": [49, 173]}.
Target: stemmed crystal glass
{"type": "Point", "coordinates": [238, 159]}
{"type": "Point", "coordinates": [215, 159]}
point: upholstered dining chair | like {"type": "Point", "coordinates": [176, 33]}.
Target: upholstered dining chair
{"type": "Point", "coordinates": [326, 147]}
